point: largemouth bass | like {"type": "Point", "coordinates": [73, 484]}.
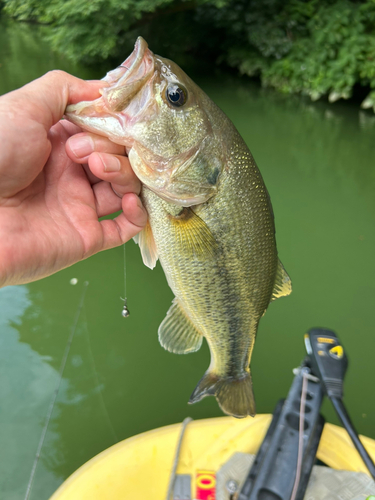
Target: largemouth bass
{"type": "Point", "coordinates": [210, 216]}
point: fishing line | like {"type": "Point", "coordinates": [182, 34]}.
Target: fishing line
{"type": "Point", "coordinates": [125, 311]}
{"type": "Point", "coordinates": [56, 391]}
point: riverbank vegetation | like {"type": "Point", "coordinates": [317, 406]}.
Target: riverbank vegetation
{"type": "Point", "coordinates": [312, 47]}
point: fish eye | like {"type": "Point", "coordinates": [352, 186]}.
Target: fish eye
{"type": "Point", "coordinates": [176, 94]}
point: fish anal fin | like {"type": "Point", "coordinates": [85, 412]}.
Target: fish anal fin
{"type": "Point", "coordinates": [146, 242]}
{"type": "Point", "coordinates": [283, 284]}
{"type": "Point", "coordinates": [192, 233]}
{"type": "Point", "coordinates": [235, 396]}
{"type": "Point", "coordinates": [177, 333]}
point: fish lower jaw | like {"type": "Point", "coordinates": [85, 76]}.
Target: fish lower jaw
{"type": "Point", "coordinates": [106, 126]}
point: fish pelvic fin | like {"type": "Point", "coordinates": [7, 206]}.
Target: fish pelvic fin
{"type": "Point", "coordinates": [235, 396]}
{"type": "Point", "coordinates": [283, 284]}
{"type": "Point", "coordinates": [147, 245]}
{"type": "Point", "coordinates": [177, 333]}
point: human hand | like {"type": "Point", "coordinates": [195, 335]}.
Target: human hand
{"type": "Point", "coordinates": [50, 199]}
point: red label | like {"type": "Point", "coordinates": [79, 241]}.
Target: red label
{"type": "Point", "coordinates": [205, 485]}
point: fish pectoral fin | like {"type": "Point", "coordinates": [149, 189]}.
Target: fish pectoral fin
{"type": "Point", "coordinates": [235, 396]}
{"type": "Point", "coordinates": [177, 333]}
{"type": "Point", "coordinates": [193, 234]}
{"type": "Point", "coordinates": [146, 242]}
{"type": "Point", "coordinates": [283, 284]}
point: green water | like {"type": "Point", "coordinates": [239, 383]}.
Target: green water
{"type": "Point", "coordinates": [318, 164]}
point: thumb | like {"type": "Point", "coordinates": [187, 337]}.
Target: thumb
{"type": "Point", "coordinates": [44, 100]}
{"type": "Point", "coordinates": [26, 117]}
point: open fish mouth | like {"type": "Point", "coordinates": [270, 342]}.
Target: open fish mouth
{"type": "Point", "coordinates": [123, 101]}
{"type": "Point", "coordinates": [132, 67]}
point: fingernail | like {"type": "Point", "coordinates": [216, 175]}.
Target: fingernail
{"type": "Point", "coordinates": [111, 163]}
{"type": "Point", "coordinates": [81, 146]}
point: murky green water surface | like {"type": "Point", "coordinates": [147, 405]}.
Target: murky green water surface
{"type": "Point", "coordinates": [318, 164]}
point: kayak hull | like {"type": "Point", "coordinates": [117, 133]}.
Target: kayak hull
{"type": "Point", "coordinates": [140, 467]}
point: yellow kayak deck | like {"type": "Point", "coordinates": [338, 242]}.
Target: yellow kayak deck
{"type": "Point", "coordinates": [139, 468]}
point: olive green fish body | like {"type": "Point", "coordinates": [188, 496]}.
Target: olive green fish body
{"type": "Point", "coordinates": [210, 217]}
{"type": "Point", "coordinates": [226, 289]}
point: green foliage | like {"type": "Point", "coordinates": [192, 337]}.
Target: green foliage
{"type": "Point", "coordinates": [334, 54]}
{"type": "Point", "coordinates": [85, 30]}
{"type": "Point", "coordinates": [312, 47]}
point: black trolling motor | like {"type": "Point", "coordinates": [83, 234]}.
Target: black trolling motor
{"type": "Point", "coordinates": [283, 464]}
{"type": "Point", "coordinates": [329, 364]}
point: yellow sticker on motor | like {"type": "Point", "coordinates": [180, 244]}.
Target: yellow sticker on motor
{"type": "Point", "coordinates": [337, 352]}
{"type": "Point", "coordinates": [325, 340]}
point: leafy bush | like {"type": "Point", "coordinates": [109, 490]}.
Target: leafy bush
{"type": "Point", "coordinates": [312, 47]}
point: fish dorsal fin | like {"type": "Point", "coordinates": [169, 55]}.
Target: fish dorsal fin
{"type": "Point", "coordinates": [193, 234]}
{"type": "Point", "coordinates": [283, 284]}
{"type": "Point", "coordinates": [177, 333]}
{"type": "Point", "coordinates": [146, 242]}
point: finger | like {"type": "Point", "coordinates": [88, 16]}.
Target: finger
{"type": "Point", "coordinates": [125, 226]}
{"type": "Point", "coordinates": [116, 170]}
{"type": "Point", "coordinates": [80, 146]}
{"type": "Point", "coordinates": [91, 177]}
{"type": "Point", "coordinates": [26, 118]}
{"type": "Point", "coordinates": [70, 127]}
{"type": "Point", "coordinates": [106, 201]}
{"type": "Point", "coordinates": [45, 99]}
{"type": "Point", "coordinates": [134, 210]}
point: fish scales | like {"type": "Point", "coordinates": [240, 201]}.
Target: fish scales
{"type": "Point", "coordinates": [210, 218]}
{"type": "Point", "coordinates": [226, 296]}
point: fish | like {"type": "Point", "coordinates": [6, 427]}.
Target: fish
{"type": "Point", "coordinates": [210, 219]}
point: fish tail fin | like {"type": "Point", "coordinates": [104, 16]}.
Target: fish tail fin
{"type": "Point", "coordinates": [235, 396]}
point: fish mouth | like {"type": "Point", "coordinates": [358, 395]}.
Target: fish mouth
{"type": "Point", "coordinates": [124, 101]}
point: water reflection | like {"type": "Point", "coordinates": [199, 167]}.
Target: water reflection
{"type": "Point", "coordinates": [326, 137]}
{"type": "Point", "coordinates": [27, 383]}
